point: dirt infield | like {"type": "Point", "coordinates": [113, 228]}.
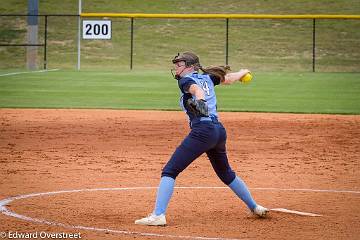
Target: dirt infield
{"type": "Point", "coordinates": [276, 154]}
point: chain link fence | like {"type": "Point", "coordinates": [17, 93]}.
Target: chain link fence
{"type": "Point", "coordinates": [327, 45]}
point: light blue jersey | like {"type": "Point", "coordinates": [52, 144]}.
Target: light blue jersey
{"type": "Point", "coordinates": [207, 83]}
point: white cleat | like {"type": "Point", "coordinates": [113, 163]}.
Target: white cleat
{"type": "Point", "coordinates": [152, 220]}
{"type": "Point", "coordinates": [260, 211]}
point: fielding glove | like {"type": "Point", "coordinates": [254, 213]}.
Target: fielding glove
{"type": "Point", "coordinates": [198, 107]}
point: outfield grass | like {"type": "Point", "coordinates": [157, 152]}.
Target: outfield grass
{"type": "Point", "coordinates": [269, 92]}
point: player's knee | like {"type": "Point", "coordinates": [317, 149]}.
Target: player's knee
{"type": "Point", "coordinates": [169, 172]}
{"type": "Point", "coordinates": [226, 176]}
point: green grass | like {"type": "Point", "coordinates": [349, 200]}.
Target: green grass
{"type": "Point", "coordinates": [269, 92]}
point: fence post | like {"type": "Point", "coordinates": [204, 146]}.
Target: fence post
{"type": "Point", "coordinates": [32, 34]}
{"type": "Point", "coordinates": [313, 46]}
{"type": "Point", "coordinates": [227, 43]}
{"type": "Point", "coordinates": [45, 42]}
{"type": "Point", "coordinates": [79, 36]}
{"type": "Point", "coordinates": [131, 43]}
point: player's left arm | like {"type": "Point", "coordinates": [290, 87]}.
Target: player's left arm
{"type": "Point", "coordinates": [199, 106]}
{"type": "Point", "coordinates": [197, 91]}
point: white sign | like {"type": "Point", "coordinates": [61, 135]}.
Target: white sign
{"type": "Point", "coordinates": [96, 29]}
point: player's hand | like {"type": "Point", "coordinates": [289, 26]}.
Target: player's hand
{"type": "Point", "coordinates": [246, 77]}
{"type": "Point", "coordinates": [198, 107]}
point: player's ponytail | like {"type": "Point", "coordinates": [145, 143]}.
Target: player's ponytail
{"type": "Point", "coordinates": [217, 71]}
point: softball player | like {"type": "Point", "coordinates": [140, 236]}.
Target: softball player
{"type": "Point", "coordinates": [207, 134]}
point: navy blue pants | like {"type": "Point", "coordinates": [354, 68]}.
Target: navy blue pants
{"type": "Point", "coordinates": [205, 137]}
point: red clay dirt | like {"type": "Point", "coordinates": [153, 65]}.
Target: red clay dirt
{"type": "Point", "coordinates": [54, 150]}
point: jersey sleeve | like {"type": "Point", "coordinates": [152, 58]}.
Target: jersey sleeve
{"type": "Point", "coordinates": [185, 83]}
{"type": "Point", "coordinates": [215, 79]}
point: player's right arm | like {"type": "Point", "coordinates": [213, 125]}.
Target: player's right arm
{"type": "Point", "coordinates": [233, 77]}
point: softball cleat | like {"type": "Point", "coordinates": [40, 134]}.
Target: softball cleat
{"type": "Point", "coordinates": [152, 220]}
{"type": "Point", "coordinates": [260, 211]}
